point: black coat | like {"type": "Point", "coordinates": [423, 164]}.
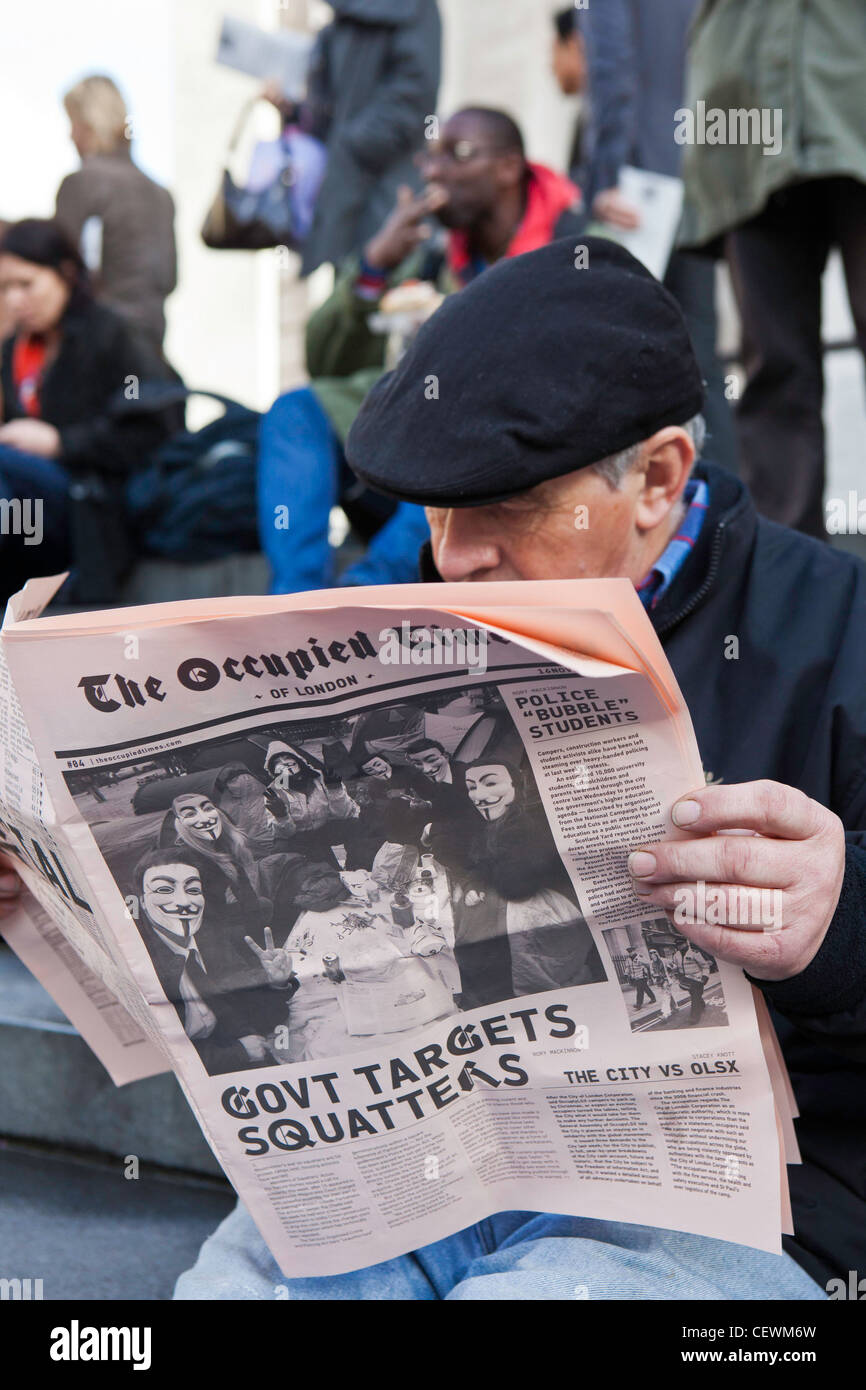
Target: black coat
{"type": "Point", "coordinates": [233, 985]}
{"type": "Point", "coordinates": [374, 79]}
{"type": "Point", "coordinates": [510, 860]}
{"type": "Point", "coordinates": [791, 707]}
{"type": "Point", "coordinates": [103, 437]}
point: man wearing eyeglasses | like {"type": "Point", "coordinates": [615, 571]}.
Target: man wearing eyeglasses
{"type": "Point", "coordinates": [489, 202]}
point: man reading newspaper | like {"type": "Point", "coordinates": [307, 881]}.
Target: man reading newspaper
{"type": "Point", "coordinates": [562, 444]}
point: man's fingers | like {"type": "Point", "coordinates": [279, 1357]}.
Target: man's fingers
{"type": "Point", "coordinates": [737, 859]}
{"type": "Point", "coordinates": [253, 947]}
{"type": "Point", "coordinates": [759, 953]}
{"type": "Point", "coordinates": [10, 883]}
{"type": "Point", "coordinates": [770, 808]}
{"type": "Point", "coordinates": [269, 939]}
{"type": "Point", "coordinates": [736, 907]}
{"type": "Point", "coordinates": [434, 197]}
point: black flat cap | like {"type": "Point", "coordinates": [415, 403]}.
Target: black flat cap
{"type": "Point", "coordinates": [536, 369]}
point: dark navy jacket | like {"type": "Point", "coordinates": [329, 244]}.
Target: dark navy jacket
{"type": "Point", "coordinates": [791, 707]}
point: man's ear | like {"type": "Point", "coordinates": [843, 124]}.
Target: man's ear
{"type": "Point", "coordinates": [666, 465]}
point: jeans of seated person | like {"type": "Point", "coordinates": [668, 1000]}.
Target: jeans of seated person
{"type": "Point", "coordinates": [301, 468]}
{"type": "Point", "coordinates": [517, 1255]}
{"type": "Point", "coordinates": [41, 485]}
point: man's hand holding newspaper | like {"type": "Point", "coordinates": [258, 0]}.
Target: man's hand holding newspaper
{"type": "Point", "coordinates": [761, 836]}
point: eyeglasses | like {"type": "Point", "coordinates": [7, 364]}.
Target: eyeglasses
{"type": "Point", "coordinates": [461, 152]}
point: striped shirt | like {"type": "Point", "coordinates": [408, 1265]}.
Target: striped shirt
{"type": "Point", "coordinates": [696, 497]}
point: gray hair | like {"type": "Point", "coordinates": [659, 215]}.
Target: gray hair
{"type": "Point", "coordinates": [615, 467]}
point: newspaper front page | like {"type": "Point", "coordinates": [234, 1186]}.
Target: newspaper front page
{"type": "Point", "coordinates": [358, 870]}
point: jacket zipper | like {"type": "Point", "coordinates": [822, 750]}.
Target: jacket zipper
{"type": "Point", "coordinates": [701, 593]}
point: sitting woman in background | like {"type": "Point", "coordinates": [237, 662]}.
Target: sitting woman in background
{"type": "Point", "coordinates": [64, 449]}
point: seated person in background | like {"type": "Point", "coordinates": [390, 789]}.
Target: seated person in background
{"type": "Point", "coordinates": [385, 784]}
{"type": "Point", "coordinates": [66, 364]}
{"type": "Point", "coordinates": [517, 926]}
{"type": "Point", "coordinates": [494, 203]}
{"type": "Point", "coordinates": [120, 220]}
{"type": "Point", "coordinates": [257, 882]}
{"type": "Point", "coordinates": [242, 796]}
{"type": "Point", "coordinates": [229, 992]}
{"type": "Point", "coordinates": [314, 808]}
{"type": "Point", "coordinates": [384, 794]}
{"type": "Point", "coordinates": [439, 780]}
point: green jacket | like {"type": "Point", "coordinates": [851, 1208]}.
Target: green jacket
{"type": "Point", "coordinates": [805, 57]}
{"type": "Point", "coordinates": [344, 356]}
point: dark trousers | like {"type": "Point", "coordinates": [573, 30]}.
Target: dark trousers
{"type": "Point", "coordinates": [691, 279]}
{"type": "Point", "coordinates": [695, 990]}
{"type": "Point", "coordinates": [777, 260]}
{"type": "Point", "coordinates": [642, 987]}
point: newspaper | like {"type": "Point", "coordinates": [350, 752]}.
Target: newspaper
{"type": "Point", "coordinates": [353, 865]}
{"type": "Point", "coordinates": [282, 55]}
{"type": "Point", "coordinates": [658, 199]}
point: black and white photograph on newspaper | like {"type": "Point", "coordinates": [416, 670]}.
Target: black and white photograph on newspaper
{"type": "Point", "coordinates": [311, 888]}
{"type": "Point", "coordinates": [667, 982]}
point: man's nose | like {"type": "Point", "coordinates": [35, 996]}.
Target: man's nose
{"type": "Point", "coordinates": [461, 550]}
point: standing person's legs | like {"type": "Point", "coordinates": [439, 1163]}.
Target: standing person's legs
{"type": "Point", "coordinates": [643, 988]}
{"type": "Point", "coordinates": [34, 524]}
{"type": "Point", "coordinates": [299, 469]}
{"type": "Point", "coordinates": [777, 260]}
{"type": "Point", "coordinates": [691, 279]}
{"type": "Point", "coordinates": [514, 1256]}
{"type": "Point", "coordinates": [847, 208]}
{"type": "Point", "coordinates": [695, 990]}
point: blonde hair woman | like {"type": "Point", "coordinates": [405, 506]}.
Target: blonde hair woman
{"type": "Point", "coordinates": [98, 115]}
{"type": "Point", "coordinates": [121, 221]}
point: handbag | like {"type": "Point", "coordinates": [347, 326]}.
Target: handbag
{"type": "Point", "coordinates": [277, 211]}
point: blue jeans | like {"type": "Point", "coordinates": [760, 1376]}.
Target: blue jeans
{"type": "Point", "coordinates": [301, 469]}
{"type": "Point", "coordinates": [43, 484]}
{"type": "Point", "coordinates": [516, 1255]}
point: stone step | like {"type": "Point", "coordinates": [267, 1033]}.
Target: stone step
{"type": "Point", "coordinates": [54, 1091]}
{"type": "Point", "coordinates": [89, 1233]}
